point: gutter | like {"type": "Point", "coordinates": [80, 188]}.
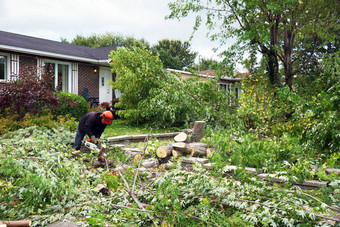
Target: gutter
{"type": "Point", "coordinates": [54, 55]}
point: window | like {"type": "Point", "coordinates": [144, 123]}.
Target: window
{"type": "Point", "coordinates": [3, 67]}
{"type": "Point", "coordinates": [60, 71]}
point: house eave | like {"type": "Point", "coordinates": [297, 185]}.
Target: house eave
{"type": "Point", "coordinates": [53, 55]}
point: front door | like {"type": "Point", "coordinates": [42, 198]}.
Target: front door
{"type": "Point", "coordinates": [105, 89]}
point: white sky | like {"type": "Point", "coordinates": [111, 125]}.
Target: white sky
{"type": "Point", "coordinates": [55, 19]}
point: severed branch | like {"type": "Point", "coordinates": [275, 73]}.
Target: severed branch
{"type": "Point", "coordinates": [141, 159]}
{"type": "Point", "coordinates": [132, 194]}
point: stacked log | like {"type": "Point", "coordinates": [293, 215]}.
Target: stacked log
{"type": "Point", "coordinates": [185, 145]}
{"type": "Point", "coordinates": [164, 151]}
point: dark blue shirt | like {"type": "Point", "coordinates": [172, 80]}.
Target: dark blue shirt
{"type": "Point", "coordinates": [91, 124]}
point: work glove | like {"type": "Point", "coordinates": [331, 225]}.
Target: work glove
{"type": "Point", "coordinates": [94, 140]}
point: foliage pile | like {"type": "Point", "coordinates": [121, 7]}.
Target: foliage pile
{"type": "Point", "coordinates": [40, 181]}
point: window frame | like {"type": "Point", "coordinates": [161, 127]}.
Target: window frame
{"type": "Point", "coordinates": [69, 79]}
{"type": "Point", "coordinates": [7, 73]}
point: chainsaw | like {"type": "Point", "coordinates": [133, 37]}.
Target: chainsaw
{"type": "Point", "coordinates": [94, 147]}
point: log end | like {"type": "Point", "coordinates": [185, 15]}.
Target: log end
{"type": "Point", "coordinates": [161, 152]}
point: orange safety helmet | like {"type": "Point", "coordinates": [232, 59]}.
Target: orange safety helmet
{"type": "Point", "coordinates": [107, 117]}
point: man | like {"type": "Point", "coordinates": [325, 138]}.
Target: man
{"type": "Point", "coordinates": [92, 124]}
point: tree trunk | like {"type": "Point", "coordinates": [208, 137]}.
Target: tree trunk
{"type": "Point", "coordinates": [198, 131]}
{"type": "Point", "coordinates": [271, 52]}
{"type": "Point", "coordinates": [288, 43]}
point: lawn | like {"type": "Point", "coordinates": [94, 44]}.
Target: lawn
{"type": "Point", "coordinates": [120, 127]}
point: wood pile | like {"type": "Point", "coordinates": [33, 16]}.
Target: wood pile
{"type": "Point", "coordinates": [186, 143]}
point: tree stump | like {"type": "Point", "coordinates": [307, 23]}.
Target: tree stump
{"type": "Point", "coordinates": [198, 131]}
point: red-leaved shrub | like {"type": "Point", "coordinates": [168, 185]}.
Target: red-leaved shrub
{"type": "Point", "coordinates": [28, 93]}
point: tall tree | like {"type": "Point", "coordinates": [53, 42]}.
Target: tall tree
{"type": "Point", "coordinates": [107, 39]}
{"type": "Point", "coordinates": [277, 28]}
{"type": "Point", "coordinates": [206, 64]}
{"type": "Point", "coordinates": [174, 54]}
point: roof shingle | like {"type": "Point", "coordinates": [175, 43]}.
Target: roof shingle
{"type": "Point", "coordinates": [54, 47]}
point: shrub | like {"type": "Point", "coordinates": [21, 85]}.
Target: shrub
{"type": "Point", "coordinates": [10, 123]}
{"type": "Point", "coordinates": [71, 104]}
{"type": "Point", "coordinates": [28, 94]}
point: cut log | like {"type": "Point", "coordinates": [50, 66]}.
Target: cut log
{"type": "Point", "coordinates": [183, 148]}
{"type": "Point", "coordinates": [97, 163]}
{"type": "Point", "coordinates": [140, 138]}
{"type": "Point", "coordinates": [329, 171]}
{"type": "Point", "coordinates": [164, 151]}
{"type": "Point", "coordinates": [121, 168]}
{"type": "Point", "coordinates": [150, 163]}
{"type": "Point", "coordinates": [194, 149]}
{"type": "Point", "coordinates": [181, 137]}
{"type": "Point", "coordinates": [17, 223]}
{"type": "Point", "coordinates": [167, 165]}
{"type": "Point", "coordinates": [187, 131]}
{"type": "Point", "coordinates": [135, 153]}
{"type": "Point", "coordinates": [102, 150]}
{"type": "Point", "coordinates": [198, 152]}
{"type": "Point", "coordinates": [198, 131]}
{"type": "Point", "coordinates": [176, 153]}
{"type": "Point", "coordinates": [193, 160]}
{"type": "Point", "coordinates": [179, 146]}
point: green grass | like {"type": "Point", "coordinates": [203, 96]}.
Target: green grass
{"type": "Point", "coordinates": [120, 127]}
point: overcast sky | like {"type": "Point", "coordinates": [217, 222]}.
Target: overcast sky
{"type": "Point", "coordinates": [55, 19]}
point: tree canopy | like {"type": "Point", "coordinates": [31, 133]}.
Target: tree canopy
{"type": "Point", "coordinates": [107, 39]}
{"type": "Point", "coordinates": [287, 33]}
{"type": "Point", "coordinates": [174, 54]}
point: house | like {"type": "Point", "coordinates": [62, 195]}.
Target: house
{"type": "Point", "coordinates": [75, 67]}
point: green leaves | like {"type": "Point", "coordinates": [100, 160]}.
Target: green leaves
{"type": "Point", "coordinates": [155, 97]}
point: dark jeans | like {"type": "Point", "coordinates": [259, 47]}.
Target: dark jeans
{"type": "Point", "coordinates": [79, 138]}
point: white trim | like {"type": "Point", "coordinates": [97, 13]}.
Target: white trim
{"type": "Point", "coordinates": [50, 54]}
{"type": "Point", "coordinates": [74, 79]}
{"type": "Point", "coordinates": [14, 69]}
{"type": "Point", "coordinates": [39, 67]}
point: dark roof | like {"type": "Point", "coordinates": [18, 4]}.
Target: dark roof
{"type": "Point", "coordinates": [54, 47]}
